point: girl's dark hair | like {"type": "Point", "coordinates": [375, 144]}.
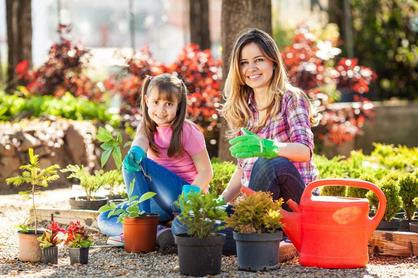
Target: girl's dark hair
{"type": "Point", "coordinates": [169, 87]}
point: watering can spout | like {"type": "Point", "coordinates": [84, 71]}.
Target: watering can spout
{"type": "Point", "coordinates": [291, 223]}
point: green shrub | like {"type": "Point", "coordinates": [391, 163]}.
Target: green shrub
{"type": "Point", "coordinates": [201, 213]}
{"type": "Point", "coordinates": [222, 173]}
{"type": "Point", "coordinates": [408, 185]}
{"type": "Point", "coordinates": [390, 187]}
{"type": "Point", "coordinates": [357, 192]}
{"type": "Point", "coordinates": [257, 213]}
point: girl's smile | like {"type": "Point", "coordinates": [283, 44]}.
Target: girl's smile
{"type": "Point", "coordinates": [161, 110]}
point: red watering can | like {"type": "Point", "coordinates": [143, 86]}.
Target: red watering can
{"type": "Point", "coordinates": [332, 232]}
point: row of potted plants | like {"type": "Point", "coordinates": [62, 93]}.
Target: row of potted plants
{"type": "Point", "coordinates": [75, 237]}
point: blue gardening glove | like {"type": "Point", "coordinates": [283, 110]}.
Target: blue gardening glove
{"type": "Point", "coordinates": [252, 145]}
{"type": "Point", "coordinates": [189, 188]}
{"type": "Point", "coordinates": [133, 158]}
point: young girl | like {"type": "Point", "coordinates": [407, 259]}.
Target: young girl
{"type": "Point", "coordinates": [271, 118]}
{"type": "Point", "coordinates": [167, 153]}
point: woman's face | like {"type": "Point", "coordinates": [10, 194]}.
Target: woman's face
{"type": "Point", "coordinates": [255, 68]}
{"type": "Point", "coordinates": [161, 111]}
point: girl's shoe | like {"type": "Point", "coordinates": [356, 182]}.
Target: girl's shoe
{"type": "Point", "coordinates": [116, 240]}
{"type": "Point", "coordinates": [165, 241]}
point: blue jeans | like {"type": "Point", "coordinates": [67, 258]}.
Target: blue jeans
{"type": "Point", "coordinates": [152, 177]}
{"type": "Point", "coordinates": [277, 175]}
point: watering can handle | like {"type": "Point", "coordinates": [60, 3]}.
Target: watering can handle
{"type": "Point", "coordinates": [307, 193]}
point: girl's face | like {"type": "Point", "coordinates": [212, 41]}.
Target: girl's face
{"type": "Point", "coordinates": [255, 68]}
{"type": "Point", "coordinates": [161, 110]}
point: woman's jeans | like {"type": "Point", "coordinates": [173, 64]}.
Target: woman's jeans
{"type": "Point", "coordinates": [277, 175]}
{"type": "Point", "coordinates": [152, 177]}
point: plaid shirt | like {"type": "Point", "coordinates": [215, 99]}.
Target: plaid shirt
{"type": "Point", "coordinates": [290, 125]}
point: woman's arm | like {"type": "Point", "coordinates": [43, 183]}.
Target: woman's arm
{"type": "Point", "coordinates": [296, 152]}
{"type": "Point", "coordinates": [234, 186]}
{"type": "Point", "coordinates": [204, 170]}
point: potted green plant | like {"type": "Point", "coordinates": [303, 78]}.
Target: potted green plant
{"type": "Point", "coordinates": [408, 190]}
{"type": "Point", "coordinates": [114, 184]}
{"type": "Point", "coordinates": [48, 242]}
{"type": "Point", "coordinates": [390, 187]}
{"type": "Point", "coordinates": [413, 227]}
{"type": "Point", "coordinates": [34, 175]}
{"type": "Point", "coordinates": [256, 224]}
{"type": "Point", "coordinates": [90, 184]}
{"type": "Point", "coordinates": [139, 227]}
{"type": "Point", "coordinates": [200, 250]}
{"type": "Point", "coordinates": [78, 241]}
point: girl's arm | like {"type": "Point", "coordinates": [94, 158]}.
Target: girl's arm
{"type": "Point", "coordinates": [234, 186]}
{"type": "Point", "coordinates": [140, 139]}
{"type": "Point", "coordinates": [204, 170]}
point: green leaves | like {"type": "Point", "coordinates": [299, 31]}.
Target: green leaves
{"type": "Point", "coordinates": [131, 209]}
{"type": "Point", "coordinates": [111, 146]}
{"type": "Point", "coordinates": [202, 213]}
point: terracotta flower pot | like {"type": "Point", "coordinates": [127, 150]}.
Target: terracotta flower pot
{"type": "Point", "coordinates": [29, 249]}
{"type": "Point", "coordinates": [140, 233]}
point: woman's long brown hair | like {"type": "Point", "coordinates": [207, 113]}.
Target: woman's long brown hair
{"type": "Point", "coordinates": [169, 87]}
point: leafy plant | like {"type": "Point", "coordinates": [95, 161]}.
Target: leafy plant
{"type": "Point", "coordinates": [408, 190]}
{"type": "Point", "coordinates": [76, 236]}
{"type": "Point", "coordinates": [201, 213]}
{"type": "Point", "coordinates": [390, 187]}
{"type": "Point", "coordinates": [111, 145]}
{"type": "Point", "coordinates": [257, 213]}
{"type": "Point", "coordinates": [34, 175]}
{"type": "Point", "coordinates": [130, 208]}
{"type": "Point", "coordinates": [52, 236]}
{"type": "Point", "coordinates": [89, 183]}
{"type": "Point", "coordinates": [112, 180]}
{"type": "Point", "coordinates": [222, 172]}
{"type": "Point", "coordinates": [357, 192]}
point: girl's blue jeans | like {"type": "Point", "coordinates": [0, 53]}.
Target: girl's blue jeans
{"type": "Point", "coordinates": [277, 175]}
{"type": "Point", "coordinates": [152, 177]}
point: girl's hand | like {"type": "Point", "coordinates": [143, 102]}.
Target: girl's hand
{"type": "Point", "coordinates": [133, 158]}
{"type": "Point", "coordinates": [252, 145]}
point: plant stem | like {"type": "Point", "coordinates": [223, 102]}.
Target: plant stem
{"type": "Point", "coordinates": [34, 208]}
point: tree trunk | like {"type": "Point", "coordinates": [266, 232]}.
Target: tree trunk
{"type": "Point", "coordinates": [19, 36]}
{"type": "Point", "coordinates": [238, 15]}
{"type": "Point", "coordinates": [199, 23]}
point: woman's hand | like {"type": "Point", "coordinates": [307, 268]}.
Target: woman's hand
{"type": "Point", "coordinates": [252, 145]}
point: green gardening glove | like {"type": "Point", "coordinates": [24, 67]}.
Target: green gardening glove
{"type": "Point", "coordinates": [252, 145]}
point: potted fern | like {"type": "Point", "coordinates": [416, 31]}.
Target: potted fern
{"type": "Point", "coordinates": [48, 242]}
{"type": "Point", "coordinates": [256, 225]}
{"type": "Point", "coordinates": [90, 184]}
{"type": "Point", "coordinates": [200, 250]}
{"type": "Point", "coordinates": [34, 175]}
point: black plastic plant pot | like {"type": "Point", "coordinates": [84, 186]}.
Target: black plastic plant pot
{"type": "Point", "coordinates": [200, 257]}
{"type": "Point", "coordinates": [258, 252]}
{"type": "Point", "coordinates": [413, 227]}
{"type": "Point", "coordinates": [79, 255]}
{"type": "Point", "coordinates": [392, 225]}
{"type": "Point", "coordinates": [50, 255]}
{"type": "Point", "coordinates": [84, 204]}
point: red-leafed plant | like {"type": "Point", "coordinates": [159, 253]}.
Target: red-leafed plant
{"type": "Point", "coordinates": [76, 236]}
{"type": "Point", "coordinates": [310, 65]}
{"type": "Point", "coordinates": [52, 236]}
{"type": "Point", "coordinates": [62, 72]}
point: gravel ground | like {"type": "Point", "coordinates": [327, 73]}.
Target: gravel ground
{"type": "Point", "coordinates": [114, 262]}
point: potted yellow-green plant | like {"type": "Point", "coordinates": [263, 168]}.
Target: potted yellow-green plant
{"type": "Point", "coordinates": [34, 175]}
{"type": "Point", "coordinates": [256, 224]}
{"type": "Point", "coordinates": [200, 250]}
{"type": "Point", "coordinates": [90, 184]}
